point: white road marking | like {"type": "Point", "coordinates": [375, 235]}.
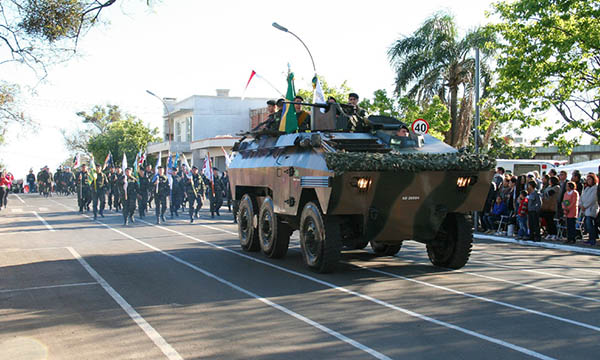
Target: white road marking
{"type": "Point", "coordinates": [266, 301]}
{"type": "Point", "coordinates": [18, 197]}
{"type": "Point", "coordinates": [48, 287]}
{"type": "Point", "coordinates": [539, 244]}
{"type": "Point", "coordinates": [43, 209]}
{"type": "Point", "coordinates": [32, 249]}
{"type": "Point", "coordinates": [22, 232]}
{"type": "Point", "coordinates": [16, 210]}
{"type": "Point", "coordinates": [532, 271]}
{"type": "Point", "coordinates": [158, 340]}
{"type": "Point", "coordinates": [43, 221]}
{"type": "Point", "coordinates": [481, 298]}
{"type": "Point", "coordinates": [363, 296]}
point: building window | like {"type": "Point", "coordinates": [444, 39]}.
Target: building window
{"type": "Point", "coordinates": [178, 131]}
{"type": "Point", "coordinates": [188, 128]}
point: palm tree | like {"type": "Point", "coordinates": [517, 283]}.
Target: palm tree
{"type": "Point", "coordinates": [433, 61]}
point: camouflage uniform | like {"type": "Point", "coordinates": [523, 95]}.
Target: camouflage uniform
{"type": "Point", "coordinates": [99, 192]}
{"type": "Point", "coordinates": [128, 196]}
{"type": "Point", "coordinates": [194, 188]}
{"type": "Point", "coordinates": [84, 191]}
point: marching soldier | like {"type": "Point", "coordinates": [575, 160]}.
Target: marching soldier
{"type": "Point", "coordinates": [84, 192]}
{"type": "Point", "coordinates": [109, 188]}
{"type": "Point", "coordinates": [129, 189]}
{"type": "Point", "coordinates": [195, 191]}
{"type": "Point", "coordinates": [114, 184]}
{"type": "Point", "coordinates": [214, 192]}
{"type": "Point", "coordinates": [99, 191]}
{"type": "Point", "coordinates": [143, 195]}
{"type": "Point", "coordinates": [177, 193]}
{"type": "Point", "coordinates": [161, 191]}
{"type": "Point", "coordinates": [150, 192]}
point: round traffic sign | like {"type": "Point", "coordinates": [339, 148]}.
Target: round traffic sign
{"type": "Point", "coordinates": [420, 126]}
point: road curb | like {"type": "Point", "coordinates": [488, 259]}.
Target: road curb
{"type": "Point", "coordinates": [541, 244]}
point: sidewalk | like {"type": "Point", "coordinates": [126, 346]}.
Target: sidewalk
{"type": "Point", "coordinates": [543, 244]}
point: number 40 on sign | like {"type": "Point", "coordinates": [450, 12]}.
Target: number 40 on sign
{"type": "Point", "coordinates": [420, 126]}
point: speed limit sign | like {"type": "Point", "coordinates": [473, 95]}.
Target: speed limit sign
{"type": "Point", "coordinates": [420, 126]}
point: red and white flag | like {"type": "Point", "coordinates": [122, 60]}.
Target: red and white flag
{"type": "Point", "coordinates": [248, 83]}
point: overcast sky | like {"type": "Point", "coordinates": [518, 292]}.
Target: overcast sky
{"type": "Point", "coordinates": [180, 48]}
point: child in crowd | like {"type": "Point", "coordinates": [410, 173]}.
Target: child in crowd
{"type": "Point", "coordinates": [569, 205]}
{"type": "Point", "coordinates": [522, 216]}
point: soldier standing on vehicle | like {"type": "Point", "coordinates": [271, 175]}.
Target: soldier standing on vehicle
{"type": "Point", "coordinates": [161, 191]}
{"type": "Point", "coordinates": [129, 190]}
{"type": "Point", "coordinates": [99, 191]}
{"type": "Point", "coordinates": [195, 188]}
{"type": "Point", "coordinates": [84, 192]}
{"type": "Point", "coordinates": [357, 121]}
{"type": "Point", "coordinates": [214, 192]}
{"type": "Point", "coordinates": [302, 116]}
{"type": "Point", "coordinates": [143, 195]}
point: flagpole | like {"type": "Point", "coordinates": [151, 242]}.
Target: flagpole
{"type": "Point", "coordinates": [284, 29]}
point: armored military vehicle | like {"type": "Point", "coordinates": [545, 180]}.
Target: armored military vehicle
{"type": "Point", "coordinates": [346, 189]}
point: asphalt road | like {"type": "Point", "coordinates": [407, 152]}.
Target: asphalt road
{"type": "Point", "coordinates": [72, 288]}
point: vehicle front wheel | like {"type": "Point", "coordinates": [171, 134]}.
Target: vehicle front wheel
{"type": "Point", "coordinates": [247, 233]}
{"type": "Point", "coordinates": [453, 243]}
{"type": "Point", "coordinates": [320, 240]}
{"type": "Point", "coordinates": [274, 234]}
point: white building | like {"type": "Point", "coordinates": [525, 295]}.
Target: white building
{"type": "Point", "coordinates": [202, 124]}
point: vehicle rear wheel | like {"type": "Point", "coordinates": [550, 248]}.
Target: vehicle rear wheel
{"type": "Point", "coordinates": [385, 249]}
{"type": "Point", "coordinates": [453, 243]}
{"type": "Point", "coordinates": [274, 234]}
{"type": "Point", "coordinates": [247, 233]}
{"type": "Point", "coordinates": [320, 240]}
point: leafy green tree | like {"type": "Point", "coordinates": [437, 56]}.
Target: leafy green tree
{"type": "Point", "coordinates": [549, 58]}
{"type": "Point", "coordinates": [501, 148]}
{"type": "Point", "coordinates": [96, 122]}
{"type": "Point", "coordinates": [125, 136]}
{"type": "Point", "coordinates": [381, 104]}
{"type": "Point", "coordinates": [434, 61]}
{"type": "Point", "coordinates": [340, 93]}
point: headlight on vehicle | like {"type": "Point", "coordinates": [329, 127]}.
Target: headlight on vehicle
{"type": "Point", "coordinates": [464, 181]}
{"type": "Point", "coordinates": [361, 183]}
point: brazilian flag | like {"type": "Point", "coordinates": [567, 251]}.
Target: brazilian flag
{"type": "Point", "coordinates": [92, 171]}
{"type": "Point", "coordinates": [289, 122]}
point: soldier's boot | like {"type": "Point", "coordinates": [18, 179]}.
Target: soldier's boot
{"type": "Point", "coordinates": [101, 213]}
{"type": "Point", "coordinates": [162, 218]}
{"type": "Point", "coordinates": [157, 219]}
{"type": "Point", "coordinates": [218, 213]}
{"type": "Point", "coordinates": [212, 215]}
{"type": "Point", "coordinates": [81, 209]}
{"type": "Point", "coordinates": [131, 219]}
{"type": "Point", "coordinates": [95, 217]}
{"type": "Point", "coordinates": [124, 220]}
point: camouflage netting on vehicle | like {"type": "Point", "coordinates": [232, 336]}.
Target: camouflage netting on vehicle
{"type": "Point", "coordinates": [396, 161]}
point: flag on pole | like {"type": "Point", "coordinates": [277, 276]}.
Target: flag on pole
{"type": "Point", "coordinates": [248, 83]}
{"type": "Point", "coordinates": [156, 169]}
{"type": "Point", "coordinates": [76, 162]}
{"type": "Point", "coordinates": [207, 170]}
{"type": "Point", "coordinates": [124, 163]}
{"type": "Point", "coordinates": [169, 171]}
{"type": "Point", "coordinates": [186, 167]}
{"type": "Point", "coordinates": [227, 157]}
{"type": "Point", "coordinates": [289, 122]}
{"type": "Point", "coordinates": [142, 158]}
{"type": "Point", "coordinates": [92, 172]}
{"type": "Point", "coordinates": [108, 161]}
{"type": "Point", "coordinates": [318, 95]}
{"type": "Point", "coordinates": [135, 167]}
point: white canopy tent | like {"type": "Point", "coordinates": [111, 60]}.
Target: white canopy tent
{"type": "Point", "coordinates": [583, 167]}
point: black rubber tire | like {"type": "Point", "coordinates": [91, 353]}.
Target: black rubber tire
{"type": "Point", "coordinates": [359, 244]}
{"type": "Point", "coordinates": [320, 241]}
{"type": "Point", "coordinates": [454, 242]}
{"type": "Point", "coordinates": [274, 235]}
{"type": "Point", "coordinates": [247, 233]}
{"type": "Point", "coordinates": [385, 249]}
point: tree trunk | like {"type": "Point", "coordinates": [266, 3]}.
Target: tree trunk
{"type": "Point", "coordinates": [452, 136]}
{"type": "Point", "coordinates": [465, 118]}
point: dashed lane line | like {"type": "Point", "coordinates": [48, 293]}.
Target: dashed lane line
{"type": "Point", "coordinates": [47, 287]}
{"type": "Point", "coordinates": [43, 221]}
{"type": "Point", "coordinates": [18, 197]}
{"type": "Point", "coordinates": [533, 271]}
{"type": "Point", "coordinates": [490, 339]}
{"type": "Point", "coordinates": [266, 301]}
{"type": "Point", "coordinates": [158, 340]}
{"type": "Point", "coordinates": [541, 244]}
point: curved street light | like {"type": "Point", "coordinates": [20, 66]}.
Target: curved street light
{"type": "Point", "coordinates": [284, 29]}
{"type": "Point", "coordinates": [168, 114]}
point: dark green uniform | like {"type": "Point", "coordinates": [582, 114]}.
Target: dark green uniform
{"type": "Point", "coordinates": [84, 191]}
{"type": "Point", "coordinates": [129, 190]}
{"type": "Point", "coordinates": [195, 188]}
{"type": "Point", "coordinates": [216, 198]}
{"type": "Point", "coordinates": [143, 198]}
{"type": "Point", "coordinates": [114, 189]}
{"type": "Point", "coordinates": [99, 192]}
{"type": "Point", "coordinates": [161, 191]}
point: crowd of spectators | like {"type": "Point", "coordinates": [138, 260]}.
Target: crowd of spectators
{"type": "Point", "coordinates": [552, 207]}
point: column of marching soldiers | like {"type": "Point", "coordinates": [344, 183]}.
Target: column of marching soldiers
{"type": "Point", "coordinates": [124, 192]}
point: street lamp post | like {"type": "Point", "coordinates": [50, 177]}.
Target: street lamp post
{"type": "Point", "coordinates": [284, 29]}
{"type": "Point", "coordinates": [168, 115]}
